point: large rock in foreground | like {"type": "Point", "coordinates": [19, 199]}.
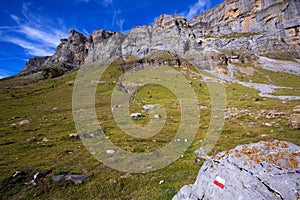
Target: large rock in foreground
{"type": "Point", "coordinates": [264, 170]}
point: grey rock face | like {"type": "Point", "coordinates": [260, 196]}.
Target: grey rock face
{"type": "Point", "coordinates": [34, 63]}
{"type": "Point", "coordinates": [70, 52]}
{"type": "Point", "coordinates": [250, 27]}
{"type": "Point", "coordinates": [264, 170]}
{"type": "Point", "coordinates": [248, 16]}
{"type": "Point", "coordinates": [103, 50]}
{"type": "Point", "coordinates": [169, 33]}
{"type": "Point", "coordinates": [138, 41]}
{"type": "Point", "coordinates": [77, 50]}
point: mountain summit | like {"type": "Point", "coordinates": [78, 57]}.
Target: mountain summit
{"type": "Point", "coordinates": [251, 27]}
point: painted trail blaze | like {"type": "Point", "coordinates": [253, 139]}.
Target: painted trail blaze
{"type": "Point", "coordinates": [219, 182]}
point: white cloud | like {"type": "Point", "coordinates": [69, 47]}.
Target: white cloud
{"type": "Point", "coordinates": [85, 32]}
{"type": "Point", "coordinates": [25, 10]}
{"type": "Point", "coordinates": [115, 14]}
{"type": "Point", "coordinates": [196, 9]}
{"type": "Point", "coordinates": [31, 48]}
{"type": "Point", "coordinates": [35, 34]}
{"type": "Point", "coordinates": [120, 23]}
{"type": "Point", "coordinates": [49, 38]}
{"type": "Point", "coordinates": [3, 76]}
{"type": "Point", "coordinates": [15, 18]}
{"type": "Point", "coordinates": [5, 73]}
{"type": "Point", "coordinates": [107, 2]}
{"type": "Point", "coordinates": [116, 21]}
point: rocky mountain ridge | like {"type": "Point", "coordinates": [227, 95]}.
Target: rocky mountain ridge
{"type": "Point", "coordinates": [231, 29]}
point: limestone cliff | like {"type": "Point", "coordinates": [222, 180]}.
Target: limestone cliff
{"type": "Point", "coordinates": [77, 50]}
{"type": "Point", "coordinates": [238, 27]}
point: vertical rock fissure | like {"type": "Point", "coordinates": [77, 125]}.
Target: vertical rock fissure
{"type": "Point", "coordinates": [273, 191]}
{"type": "Point", "coordinates": [277, 194]}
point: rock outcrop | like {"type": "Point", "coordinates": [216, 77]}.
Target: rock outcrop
{"type": "Point", "coordinates": [233, 28]}
{"type": "Point", "coordinates": [75, 178]}
{"type": "Point", "coordinates": [264, 170]}
{"type": "Point", "coordinates": [70, 52]}
{"type": "Point", "coordinates": [77, 50]}
{"type": "Point", "coordinates": [260, 26]}
{"type": "Point", "coordinates": [249, 16]}
{"type": "Point", "coordinates": [35, 63]}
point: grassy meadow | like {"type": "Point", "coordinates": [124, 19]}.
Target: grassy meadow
{"type": "Point", "coordinates": [44, 145]}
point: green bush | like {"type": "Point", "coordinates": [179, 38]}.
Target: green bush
{"type": "Point", "coordinates": [53, 72]}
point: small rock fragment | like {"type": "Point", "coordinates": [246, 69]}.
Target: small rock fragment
{"type": "Point", "coordinates": [70, 83]}
{"type": "Point", "coordinates": [15, 117]}
{"type": "Point", "coordinates": [24, 122]}
{"type": "Point", "coordinates": [110, 151]}
{"type": "Point", "coordinates": [268, 124]}
{"type": "Point", "coordinates": [253, 124]}
{"type": "Point", "coordinates": [157, 116]}
{"type": "Point", "coordinates": [17, 173]}
{"type": "Point", "coordinates": [136, 115]}
{"type": "Point", "coordinates": [74, 135]}
{"type": "Point", "coordinates": [39, 175]}
{"type": "Point", "coordinates": [203, 107]}
{"type": "Point", "coordinates": [148, 107]}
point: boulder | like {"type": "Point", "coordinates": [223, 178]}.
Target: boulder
{"type": "Point", "coordinates": [263, 170]}
{"type": "Point", "coordinates": [75, 178]}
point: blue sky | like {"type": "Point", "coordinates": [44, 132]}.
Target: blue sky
{"type": "Point", "coordinates": [34, 28]}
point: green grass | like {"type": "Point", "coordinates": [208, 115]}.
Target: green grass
{"type": "Point", "coordinates": [268, 77]}
{"type": "Point", "coordinates": [282, 56]}
{"type": "Point", "coordinates": [159, 55]}
{"type": "Point", "coordinates": [23, 149]}
{"type": "Point", "coordinates": [287, 92]}
{"type": "Point", "coordinates": [232, 35]}
{"type": "Point", "coordinates": [240, 35]}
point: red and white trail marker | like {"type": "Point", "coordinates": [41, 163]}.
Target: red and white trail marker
{"type": "Point", "coordinates": [219, 182]}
